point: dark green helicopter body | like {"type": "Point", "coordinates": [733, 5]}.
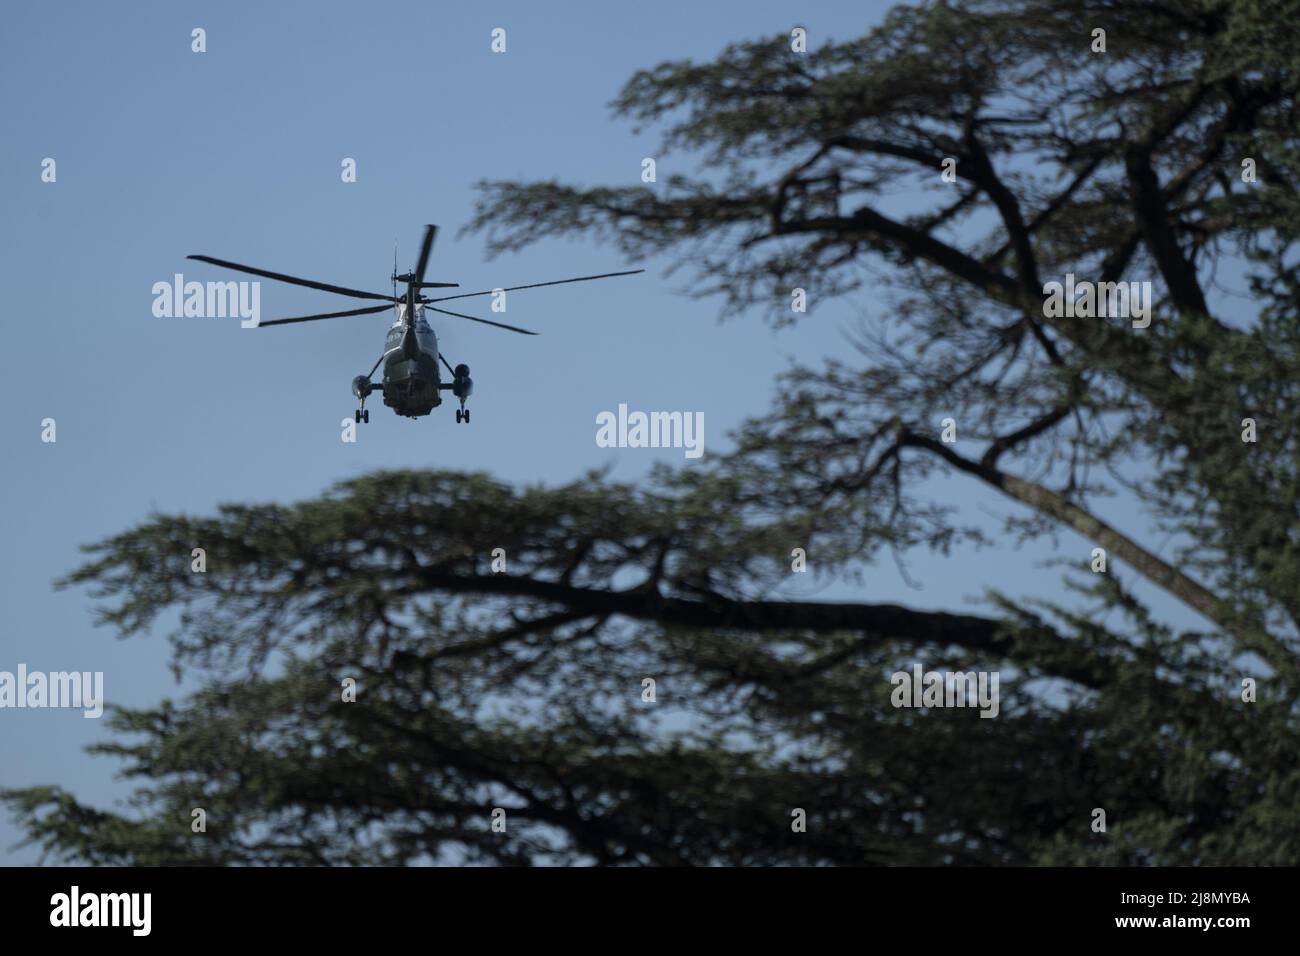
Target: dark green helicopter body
{"type": "Point", "coordinates": [412, 383]}
{"type": "Point", "coordinates": [411, 377]}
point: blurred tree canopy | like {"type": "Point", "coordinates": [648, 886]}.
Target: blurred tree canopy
{"type": "Point", "coordinates": [523, 689]}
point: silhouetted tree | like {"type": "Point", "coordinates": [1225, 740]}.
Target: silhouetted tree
{"type": "Point", "coordinates": [522, 690]}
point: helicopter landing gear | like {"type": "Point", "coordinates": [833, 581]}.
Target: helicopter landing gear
{"type": "Point", "coordinates": [361, 387]}
{"type": "Point", "coordinates": [462, 386]}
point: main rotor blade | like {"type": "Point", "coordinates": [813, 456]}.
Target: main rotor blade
{"type": "Point", "coordinates": [430, 233]}
{"type": "Point", "coordinates": [281, 277]}
{"type": "Point", "coordinates": [536, 285]}
{"type": "Point", "coordinates": [499, 325]}
{"type": "Point", "coordinates": [328, 315]}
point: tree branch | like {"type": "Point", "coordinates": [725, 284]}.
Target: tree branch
{"type": "Point", "coordinates": [1048, 502]}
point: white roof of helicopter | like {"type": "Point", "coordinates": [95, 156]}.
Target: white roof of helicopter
{"type": "Point", "coordinates": [420, 323]}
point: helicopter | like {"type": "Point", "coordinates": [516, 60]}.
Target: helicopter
{"type": "Point", "coordinates": [412, 385]}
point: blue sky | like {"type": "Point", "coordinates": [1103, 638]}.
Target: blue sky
{"type": "Point", "coordinates": [236, 153]}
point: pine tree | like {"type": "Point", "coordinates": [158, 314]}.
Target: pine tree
{"type": "Point", "coordinates": [523, 690]}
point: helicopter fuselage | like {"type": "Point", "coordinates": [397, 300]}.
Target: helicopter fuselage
{"type": "Point", "coordinates": [412, 382]}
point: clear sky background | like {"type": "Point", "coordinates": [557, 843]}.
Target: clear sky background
{"type": "Point", "coordinates": [236, 153]}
